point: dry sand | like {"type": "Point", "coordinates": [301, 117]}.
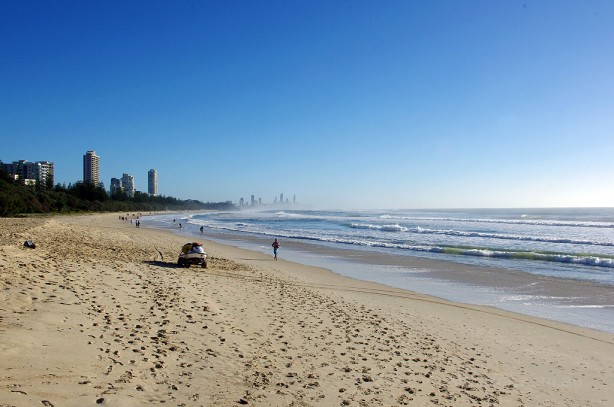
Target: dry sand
{"type": "Point", "coordinates": [98, 314]}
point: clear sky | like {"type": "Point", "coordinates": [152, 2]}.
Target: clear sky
{"type": "Point", "coordinates": [347, 104]}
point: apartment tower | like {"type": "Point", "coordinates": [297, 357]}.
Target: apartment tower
{"type": "Point", "coordinates": [128, 185]}
{"type": "Point", "coordinates": [152, 182]}
{"type": "Point", "coordinates": [30, 173]}
{"type": "Point", "coordinates": [91, 168]}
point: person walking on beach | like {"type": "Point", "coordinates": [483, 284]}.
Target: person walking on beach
{"type": "Point", "coordinates": [201, 230]}
{"type": "Point", "coordinates": [275, 247]}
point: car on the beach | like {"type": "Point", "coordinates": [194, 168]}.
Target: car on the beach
{"type": "Point", "coordinates": [192, 253]}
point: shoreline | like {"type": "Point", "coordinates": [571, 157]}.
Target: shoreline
{"type": "Point", "coordinates": [249, 329]}
{"type": "Point", "coordinates": [582, 303]}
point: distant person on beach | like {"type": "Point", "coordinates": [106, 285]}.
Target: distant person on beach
{"type": "Point", "coordinates": [180, 226]}
{"type": "Point", "coordinates": [201, 230]}
{"type": "Point", "coordinates": [275, 247]}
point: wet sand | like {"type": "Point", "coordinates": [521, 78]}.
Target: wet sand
{"type": "Point", "coordinates": [566, 291]}
{"type": "Point", "coordinates": [99, 314]}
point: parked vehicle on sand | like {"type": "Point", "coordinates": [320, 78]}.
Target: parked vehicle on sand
{"type": "Point", "coordinates": [192, 253]}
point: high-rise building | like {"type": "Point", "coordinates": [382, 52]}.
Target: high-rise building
{"type": "Point", "coordinates": [152, 182]}
{"type": "Point", "coordinates": [46, 172]}
{"type": "Point", "coordinates": [116, 186]}
{"type": "Point", "coordinates": [31, 172]}
{"type": "Point", "coordinates": [91, 168]}
{"type": "Point", "coordinates": [128, 184]}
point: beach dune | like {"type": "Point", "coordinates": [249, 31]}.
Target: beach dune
{"type": "Point", "coordinates": [99, 314]}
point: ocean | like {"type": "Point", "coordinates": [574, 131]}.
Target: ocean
{"type": "Point", "coordinates": [550, 263]}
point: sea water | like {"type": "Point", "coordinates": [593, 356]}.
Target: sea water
{"type": "Point", "coordinates": [550, 263]}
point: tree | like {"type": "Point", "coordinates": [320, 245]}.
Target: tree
{"type": "Point", "coordinates": [49, 182]}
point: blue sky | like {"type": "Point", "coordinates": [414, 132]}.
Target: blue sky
{"type": "Point", "coordinates": [347, 104]}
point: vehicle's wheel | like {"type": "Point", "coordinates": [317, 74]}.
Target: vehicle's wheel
{"type": "Point", "coordinates": [180, 262]}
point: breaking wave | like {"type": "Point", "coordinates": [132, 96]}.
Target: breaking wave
{"type": "Point", "coordinates": [598, 225]}
{"type": "Point", "coordinates": [385, 228]}
{"type": "Point", "coordinates": [447, 232]}
{"type": "Point", "coordinates": [579, 259]}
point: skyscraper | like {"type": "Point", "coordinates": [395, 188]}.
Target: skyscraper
{"type": "Point", "coordinates": [91, 168]}
{"type": "Point", "coordinates": [152, 182]}
{"type": "Point", "coordinates": [128, 184]}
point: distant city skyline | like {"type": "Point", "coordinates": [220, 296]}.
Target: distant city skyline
{"type": "Point", "coordinates": [126, 184]}
{"type": "Point", "coordinates": [29, 173]}
{"type": "Point", "coordinates": [91, 171]}
{"type": "Point", "coordinates": [259, 202]}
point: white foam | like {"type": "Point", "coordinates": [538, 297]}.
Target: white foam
{"type": "Point", "coordinates": [385, 228]}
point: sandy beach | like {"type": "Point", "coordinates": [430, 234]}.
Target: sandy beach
{"type": "Point", "coordinates": [99, 314]}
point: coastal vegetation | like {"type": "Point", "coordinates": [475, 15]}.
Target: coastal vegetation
{"type": "Point", "coordinates": [18, 199]}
